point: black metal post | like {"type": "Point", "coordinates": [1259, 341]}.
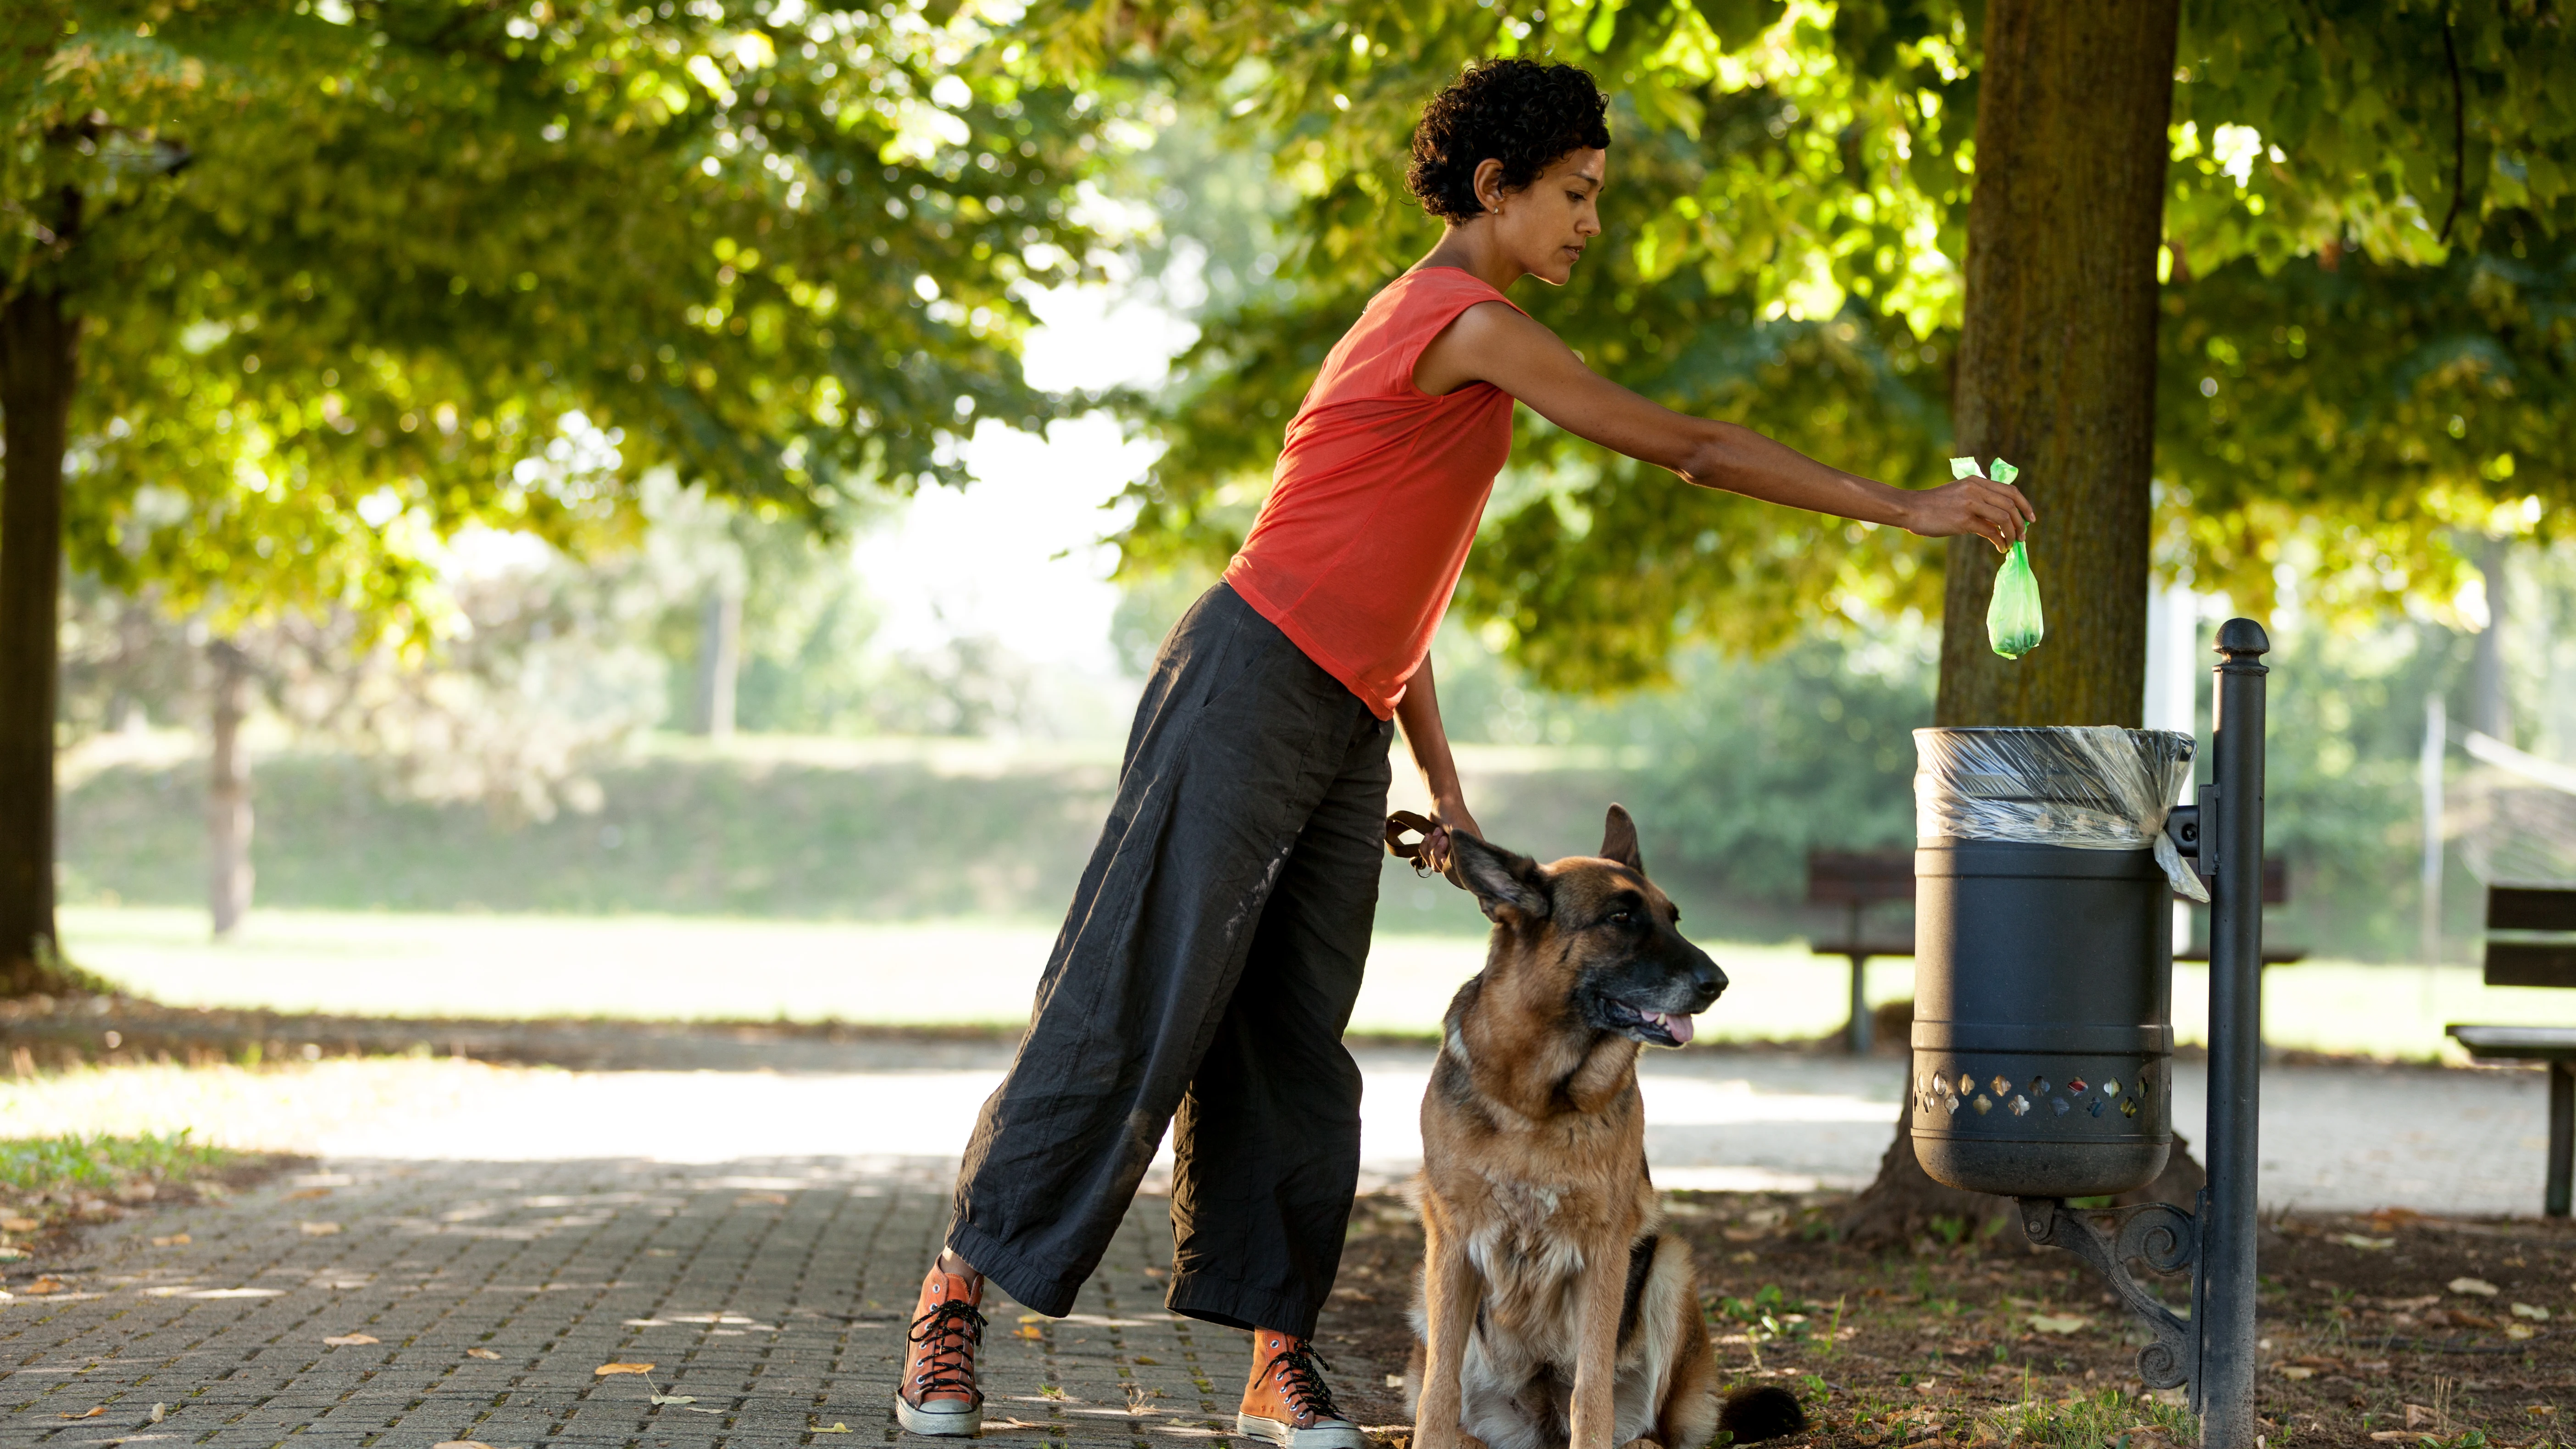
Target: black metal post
{"type": "Point", "coordinates": [2231, 827]}
{"type": "Point", "coordinates": [2562, 1138]}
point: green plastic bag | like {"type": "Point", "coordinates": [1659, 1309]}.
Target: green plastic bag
{"type": "Point", "coordinates": [2013, 623]}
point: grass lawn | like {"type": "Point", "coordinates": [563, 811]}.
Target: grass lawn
{"type": "Point", "coordinates": [50, 1182]}
{"type": "Point", "coordinates": [973, 972]}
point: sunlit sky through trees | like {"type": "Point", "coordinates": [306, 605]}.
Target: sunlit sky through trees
{"type": "Point", "coordinates": [1014, 557]}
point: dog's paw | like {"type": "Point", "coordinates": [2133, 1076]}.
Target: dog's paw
{"type": "Point", "coordinates": [1760, 1411]}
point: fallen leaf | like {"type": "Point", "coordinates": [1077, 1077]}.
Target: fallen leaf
{"type": "Point", "coordinates": [675, 1398]}
{"type": "Point", "coordinates": [480, 1353]}
{"type": "Point", "coordinates": [307, 1194]}
{"type": "Point", "coordinates": [2366, 1244]}
{"type": "Point", "coordinates": [2478, 1286]}
{"type": "Point", "coordinates": [351, 1340]}
{"type": "Point", "coordinates": [92, 1414]}
{"type": "Point", "coordinates": [20, 1225]}
{"type": "Point", "coordinates": [317, 1230]}
{"type": "Point", "coordinates": [1395, 1381]}
{"type": "Point", "coordinates": [2396, 1436]}
{"type": "Point", "coordinates": [2531, 1311]}
{"type": "Point", "coordinates": [2059, 1322]}
{"type": "Point", "coordinates": [2519, 1330]}
{"type": "Point", "coordinates": [1033, 1318]}
{"type": "Point", "coordinates": [1027, 1331]}
{"type": "Point", "coordinates": [604, 1370]}
{"type": "Point", "coordinates": [43, 1286]}
{"type": "Point", "coordinates": [175, 1240]}
{"type": "Point", "coordinates": [837, 1428]}
{"type": "Point", "coordinates": [1150, 1362]}
{"type": "Point", "coordinates": [159, 1412]}
{"type": "Point", "coordinates": [2295, 1372]}
{"type": "Point", "coordinates": [2417, 1416]}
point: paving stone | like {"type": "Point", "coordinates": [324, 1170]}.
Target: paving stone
{"type": "Point", "coordinates": [772, 1293]}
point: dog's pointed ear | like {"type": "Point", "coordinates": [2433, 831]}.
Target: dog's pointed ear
{"type": "Point", "coordinates": [1500, 880]}
{"type": "Point", "coordinates": [1619, 840]}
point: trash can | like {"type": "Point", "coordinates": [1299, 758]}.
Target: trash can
{"type": "Point", "coordinates": [2043, 1032]}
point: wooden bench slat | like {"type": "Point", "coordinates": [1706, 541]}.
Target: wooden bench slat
{"type": "Point", "coordinates": [1859, 877]}
{"type": "Point", "coordinates": [2531, 908]}
{"type": "Point", "coordinates": [2529, 1043]}
{"type": "Point", "coordinates": [2272, 955]}
{"type": "Point", "coordinates": [2276, 879]}
{"type": "Point", "coordinates": [2518, 963]}
{"type": "Point", "coordinates": [1862, 948]}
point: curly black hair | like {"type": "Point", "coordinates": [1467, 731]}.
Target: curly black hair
{"type": "Point", "coordinates": [1524, 113]}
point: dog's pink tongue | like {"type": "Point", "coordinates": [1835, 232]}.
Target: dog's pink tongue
{"type": "Point", "coordinates": [1679, 1025]}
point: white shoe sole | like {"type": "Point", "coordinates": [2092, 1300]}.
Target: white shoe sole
{"type": "Point", "coordinates": [1330, 1434]}
{"type": "Point", "coordinates": [940, 1420]}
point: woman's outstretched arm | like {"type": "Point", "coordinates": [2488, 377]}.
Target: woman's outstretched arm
{"type": "Point", "coordinates": [1494, 343]}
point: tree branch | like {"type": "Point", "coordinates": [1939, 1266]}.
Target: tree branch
{"type": "Point", "coordinates": [2459, 133]}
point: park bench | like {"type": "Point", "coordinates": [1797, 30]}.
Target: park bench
{"type": "Point", "coordinates": [2276, 892]}
{"type": "Point", "coordinates": [2531, 941]}
{"type": "Point", "coordinates": [1855, 880]}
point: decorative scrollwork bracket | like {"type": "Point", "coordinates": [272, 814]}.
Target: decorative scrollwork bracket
{"type": "Point", "coordinates": [2165, 1237]}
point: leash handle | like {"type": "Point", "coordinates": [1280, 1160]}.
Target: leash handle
{"type": "Point", "coordinates": [1397, 825]}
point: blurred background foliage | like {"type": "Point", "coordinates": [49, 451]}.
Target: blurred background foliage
{"type": "Point", "coordinates": [2366, 360]}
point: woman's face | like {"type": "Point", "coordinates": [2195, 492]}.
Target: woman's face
{"type": "Point", "coordinates": [1544, 226]}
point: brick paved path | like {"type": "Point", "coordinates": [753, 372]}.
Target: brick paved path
{"type": "Point", "coordinates": [772, 1294]}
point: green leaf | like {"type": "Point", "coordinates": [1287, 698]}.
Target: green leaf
{"type": "Point", "coordinates": [1739, 22]}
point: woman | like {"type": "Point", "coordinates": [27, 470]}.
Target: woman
{"type": "Point", "coordinates": [1215, 946]}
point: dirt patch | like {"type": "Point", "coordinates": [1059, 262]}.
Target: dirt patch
{"type": "Point", "coordinates": [2373, 1326]}
{"type": "Point", "coordinates": [41, 1229]}
{"type": "Point", "coordinates": [62, 1033]}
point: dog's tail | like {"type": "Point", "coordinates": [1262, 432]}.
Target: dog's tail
{"type": "Point", "coordinates": [1758, 1412]}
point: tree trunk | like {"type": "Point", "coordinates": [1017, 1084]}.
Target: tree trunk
{"type": "Point", "coordinates": [719, 661]}
{"type": "Point", "coordinates": [39, 346]}
{"type": "Point", "coordinates": [2056, 372]}
{"type": "Point", "coordinates": [228, 812]}
{"type": "Point", "coordinates": [2492, 702]}
{"type": "Point", "coordinates": [2057, 355]}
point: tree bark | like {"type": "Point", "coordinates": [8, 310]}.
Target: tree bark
{"type": "Point", "coordinates": [719, 660]}
{"type": "Point", "coordinates": [2056, 372]}
{"type": "Point", "coordinates": [2057, 354]}
{"type": "Point", "coordinates": [39, 347]}
{"type": "Point", "coordinates": [228, 809]}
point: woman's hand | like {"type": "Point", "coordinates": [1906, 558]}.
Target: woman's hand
{"type": "Point", "coordinates": [1995, 512]}
{"type": "Point", "coordinates": [1447, 813]}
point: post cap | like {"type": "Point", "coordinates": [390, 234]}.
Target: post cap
{"type": "Point", "coordinates": [2239, 638]}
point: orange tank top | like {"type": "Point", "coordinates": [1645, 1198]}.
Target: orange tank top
{"type": "Point", "coordinates": [1377, 494]}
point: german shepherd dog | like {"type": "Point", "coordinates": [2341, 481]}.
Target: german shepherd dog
{"type": "Point", "coordinates": [1550, 1311]}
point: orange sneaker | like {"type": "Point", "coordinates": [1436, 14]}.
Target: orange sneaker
{"type": "Point", "coordinates": [938, 1393]}
{"type": "Point", "coordinates": [1287, 1403]}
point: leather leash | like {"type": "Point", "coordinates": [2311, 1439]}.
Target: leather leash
{"type": "Point", "coordinates": [1398, 824]}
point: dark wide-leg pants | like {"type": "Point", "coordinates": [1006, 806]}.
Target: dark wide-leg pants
{"type": "Point", "coordinates": [1206, 969]}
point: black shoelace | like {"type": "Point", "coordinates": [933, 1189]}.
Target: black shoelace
{"type": "Point", "coordinates": [1301, 1371]}
{"type": "Point", "coordinates": [949, 1367]}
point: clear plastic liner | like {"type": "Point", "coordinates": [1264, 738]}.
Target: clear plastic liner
{"type": "Point", "coordinates": [2092, 787]}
